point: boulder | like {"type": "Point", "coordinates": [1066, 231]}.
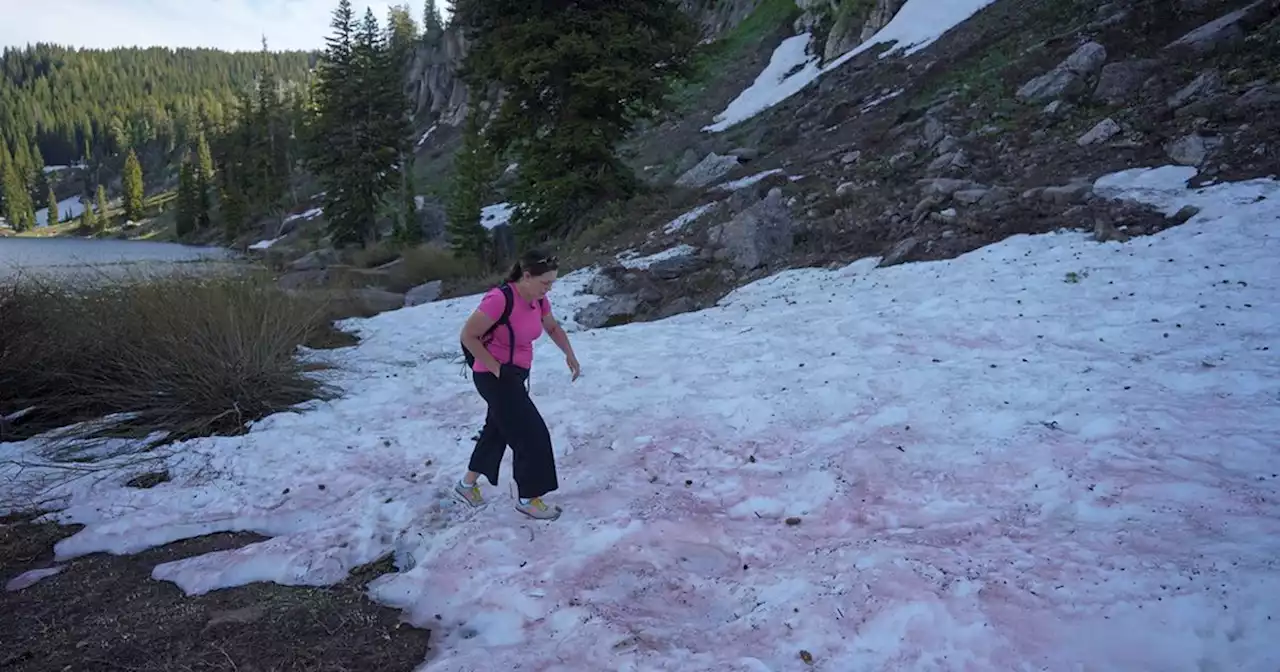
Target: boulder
{"type": "Point", "coordinates": [1067, 78]}
{"type": "Point", "coordinates": [609, 311]}
{"type": "Point", "coordinates": [758, 235]}
{"type": "Point", "coordinates": [1193, 149]}
{"type": "Point", "coordinates": [1100, 133]}
{"type": "Point", "coordinates": [320, 258]}
{"type": "Point", "coordinates": [1119, 82]}
{"type": "Point", "coordinates": [708, 170]}
{"type": "Point", "coordinates": [425, 293]}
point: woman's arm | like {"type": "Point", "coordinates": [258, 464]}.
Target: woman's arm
{"type": "Point", "coordinates": [561, 339]}
{"type": "Point", "coordinates": [471, 334]}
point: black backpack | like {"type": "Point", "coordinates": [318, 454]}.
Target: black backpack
{"type": "Point", "coordinates": [505, 319]}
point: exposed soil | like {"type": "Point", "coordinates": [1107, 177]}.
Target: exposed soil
{"type": "Point", "coordinates": [105, 613]}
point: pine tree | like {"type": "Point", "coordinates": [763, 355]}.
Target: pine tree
{"type": "Point", "coordinates": [360, 130]}
{"type": "Point", "coordinates": [133, 188]}
{"type": "Point", "coordinates": [432, 23]}
{"type": "Point", "coordinates": [577, 77]}
{"type": "Point", "coordinates": [204, 182]}
{"type": "Point", "coordinates": [402, 30]}
{"type": "Point", "coordinates": [188, 199]}
{"type": "Point", "coordinates": [407, 231]}
{"type": "Point", "coordinates": [475, 168]}
{"type": "Point", "coordinates": [53, 216]}
{"type": "Point", "coordinates": [17, 201]}
{"type": "Point", "coordinates": [88, 222]}
{"type": "Point", "coordinates": [104, 214]}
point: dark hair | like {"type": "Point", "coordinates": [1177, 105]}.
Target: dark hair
{"type": "Point", "coordinates": [533, 262]}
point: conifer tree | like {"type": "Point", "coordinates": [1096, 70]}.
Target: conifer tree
{"type": "Point", "coordinates": [88, 222]}
{"type": "Point", "coordinates": [432, 23]}
{"type": "Point", "coordinates": [360, 130]}
{"type": "Point", "coordinates": [188, 199]}
{"type": "Point", "coordinates": [204, 182]}
{"type": "Point", "coordinates": [577, 77]}
{"type": "Point", "coordinates": [132, 185]}
{"type": "Point", "coordinates": [104, 216]}
{"type": "Point", "coordinates": [51, 205]}
{"type": "Point", "coordinates": [475, 169]}
{"type": "Point", "coordinates": [17, 201]}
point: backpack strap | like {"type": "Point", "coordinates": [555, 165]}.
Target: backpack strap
{"type": "Point", "coordinates": [506, 319]}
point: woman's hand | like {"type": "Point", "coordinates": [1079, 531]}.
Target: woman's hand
{"type": "Point", "coordinates": [574, 367]}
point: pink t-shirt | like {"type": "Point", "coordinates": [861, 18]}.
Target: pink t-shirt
{"type": "Point", "coordinates": [526, 321]}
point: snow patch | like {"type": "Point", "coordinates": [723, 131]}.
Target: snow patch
{"type": "Point", "coordinates": [679, 223]}
{"type": "Point", "coordinates": [650, 260]}
{"type": "Point", "coordinates": [493, 216]}
{"type": "Point", "coordinates": [744, 182]}
{"type": "Point", "coordinates": [989, 468]}
{"type": "Point", "coordinates": [916, 26]}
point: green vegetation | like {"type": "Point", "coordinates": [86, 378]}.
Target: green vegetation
{"type": "Point", "coordinates": [710, 60]}
{"type": "Point", "coordinates": [360, 130]}
{"type": "Point", "coordinates": [183, 354]}
{"type": "Point", "coordinates": [577, 80]}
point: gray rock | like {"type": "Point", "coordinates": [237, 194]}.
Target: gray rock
{"type": "Point", "coordinates": [1119, 82]}
{"type": "Point", "coordinates": [948, 145]}
{"type": "Point", "coordinates": [1206, 83]}
{"type": "Point", "coordinates": [1185, 213]}
{"type": "Point", "coordinates": [970, 196]}
{"type": "Point", "coordinates": [758, 235]}
{"type": "Point", "coordinates": [1086, 59]}
{"type": "Point", "coordinates": [708, 170]}
{"type": "Point", "coordinates": [315, 260]}
{"type": "Point", "coordinates": [745, 153]}
{"type": "Point", "coordinates": [946, 187]}
{"type": "Point", "coordinates": [1216, 33]}
{"type": "Point", "coordinates": [605, 283]}
{"type": "Point", "coordinates": [950, 162]}
{"type": "Point", "coordinates": [851, 157]}
{"type": "Point", "coordinates": [675, 267]}
{"type": "Point", "coordinates": [846, 189]}
{"type": "Point", "coordinates": [613, 310]}
{"type": "Point", "coordinates": [1258, 98]}
{"type": "Point", "coordinates": [1067, 78]}
{"type": "Point", "coordinates": [934, 131]}
{"type": "Point", "coordinates": [425, 293]}
{"type": "Point", "coordinates": [1067, 194]}
{"type": "Point", "coordinates": [315, 277]}
{"type": "Point", "coordinates": [899, 252]}
{"type": "Point", "coordinates": [680, 305]}
{"type": "Point", "coordinates": [1192, 150]}
{"type": "Point", "coordinates": [1102, 132]}
{"type": "Point", "coordinates": [997, 196]}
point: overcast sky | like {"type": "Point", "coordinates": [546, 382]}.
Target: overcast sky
{"type": "Point", "coordinates": [224, 24]}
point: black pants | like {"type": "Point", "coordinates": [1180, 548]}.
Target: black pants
{"type": "Point", "coordinates": [513, 420]}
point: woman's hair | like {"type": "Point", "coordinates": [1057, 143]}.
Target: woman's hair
{"type": "Point", "coordinates": [533, 262]}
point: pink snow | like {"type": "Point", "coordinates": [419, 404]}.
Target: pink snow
{"type": "Point", "coordinates": [986, 467]}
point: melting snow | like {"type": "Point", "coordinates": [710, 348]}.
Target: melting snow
{"type": "Point", "coordinates": [309, 214]}
{"type": "Point", "coordinates": [688, 218]}
{"type": "Point", "coordinates": [744, 182]}
{"type": "Point", "coordinates": [917, 25]}
{"type": "Point", "coordinates": [493, 216]}
{"type": "Point", "coordinates": [30, 578]}
{"type": "Point", "coordinates": [990, 468]}
{"type": "Point", "coordinates": [645, 262]}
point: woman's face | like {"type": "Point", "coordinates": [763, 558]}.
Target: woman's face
{"type": "Point", "coordinates": [539, 285]}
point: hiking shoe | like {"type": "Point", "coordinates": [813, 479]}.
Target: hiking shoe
{"type": "Point", "coordinates": [469, 493]}
{"type": "Point", "coordinates": [538, 509]}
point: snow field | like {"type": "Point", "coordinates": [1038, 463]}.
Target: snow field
{"type": "Point", "coordinates": [970, 464]}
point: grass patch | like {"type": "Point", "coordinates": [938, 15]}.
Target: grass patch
{"type": "Point", "coordinates": [710, 59]}
{"type": "Point", "coordinates": [183, 355]}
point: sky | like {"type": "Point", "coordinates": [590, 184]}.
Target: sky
{"type": "Point", "coordinates": [224, 24]}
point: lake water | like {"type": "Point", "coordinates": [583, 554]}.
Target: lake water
{"type": "Point", "coordinates": [68, 256]}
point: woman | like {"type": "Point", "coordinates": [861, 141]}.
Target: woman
{"type": "Point", "coordinates": [499, 338]}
